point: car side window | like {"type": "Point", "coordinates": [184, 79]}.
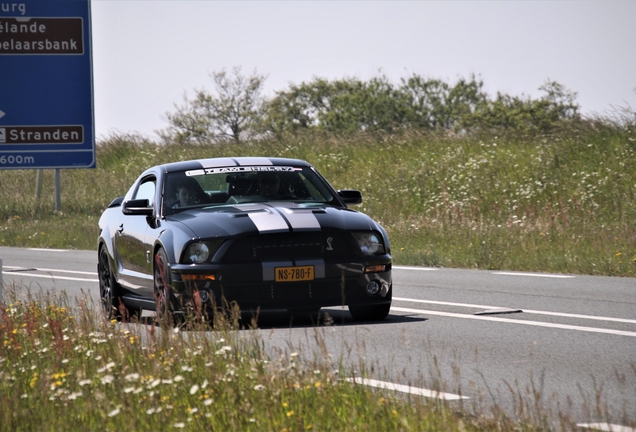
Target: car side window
{"type": "Point", "coordinates": [146, 190]}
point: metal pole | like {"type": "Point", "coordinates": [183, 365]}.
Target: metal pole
{"type": "Point", "coordinates": [58, 200]}
{"type": "Point", "coordinates": [38, 190]}
{"type": "Point", "coordinates": [38, 185]}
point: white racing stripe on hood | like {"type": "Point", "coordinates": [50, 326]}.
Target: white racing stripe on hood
{"type": "Point", "coordinates": [301, 219]}
{"type": "Point", "coordinates": [268, 220]}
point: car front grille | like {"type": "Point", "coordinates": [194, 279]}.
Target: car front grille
{"type": "Point", "coordinates": [299, 245]}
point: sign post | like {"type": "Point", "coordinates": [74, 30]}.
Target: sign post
{"type": "Point", "coordinates": [46, 85]}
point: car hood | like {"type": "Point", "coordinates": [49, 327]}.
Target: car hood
{"type": "Point", "coordinates": [270, 217]}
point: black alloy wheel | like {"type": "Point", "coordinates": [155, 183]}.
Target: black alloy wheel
{"type": "Point", "coordinates": [109, 293]}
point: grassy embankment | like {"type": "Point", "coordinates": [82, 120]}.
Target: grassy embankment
{"type": "Point", "coordinates": [561, 203]}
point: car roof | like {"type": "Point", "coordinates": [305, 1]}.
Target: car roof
{"type": "Point", "coordinates": [231, 162]}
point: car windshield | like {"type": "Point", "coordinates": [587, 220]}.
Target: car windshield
{"type": "Point", "coordinates": [237, 185]}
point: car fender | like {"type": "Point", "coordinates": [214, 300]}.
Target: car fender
{"type": "Point", "coordinates": [105, 239]}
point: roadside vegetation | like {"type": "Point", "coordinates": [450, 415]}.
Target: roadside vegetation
{"type": "Point", "coordinates": [559, 202]}
{"type": "Point", "coordinates": [459, 178]}
{"type": "Point", "coordinates": [61, 369]}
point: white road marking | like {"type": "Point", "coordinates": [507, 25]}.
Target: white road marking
{"type": "Point", "coordinates": [50, 277]}
{"type": "Point", "coordinates": [406, 389]}
{"type": "Point", "coordinates": [48, 250]}
{"type": "Point", "coordinates": [534, 275]}
{"type": "Point", "coordinates": [415, 268]}
{"type": "Point", "coordinates": [525, 311]}
{"type": "Point", "coordinates": [52, 270]}
{"type": "Point", "coordinates": [514, 321]}
{"type": "Point", "coordinates": [606, 427]}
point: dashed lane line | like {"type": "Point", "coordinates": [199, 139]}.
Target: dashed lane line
{"type": "Point", "coordinates": [514, 321]}
{"type": "Point", "coordinates": [406, 389]}
{"type": "Point", "coordinates": [606, 427]}
{"type": "Point", "coordinates": [525, 311]}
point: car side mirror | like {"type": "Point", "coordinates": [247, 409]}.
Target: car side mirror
{"type": "Point", "coordinates": [350, 196]}
{"type": "Point", "coordinates": [137, 207]}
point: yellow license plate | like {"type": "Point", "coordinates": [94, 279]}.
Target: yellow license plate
{"type": "Point", "coordinates": [294, 274]}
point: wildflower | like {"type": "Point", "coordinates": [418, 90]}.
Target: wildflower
{"type": "Point", "coordinates": [179, 425]}
{"type": "Point", "coordinates": [205, 384]}
{"type": "Point", "coordinates": [34, 380]}
{"type": "Point", "coordinates": [290, 413]}
{"type": "Point", "coordinates": [82, 383]}
{"type": "Point", "coordinates": [132, 377]}
{"type": "Point", "coordinates": [75, 395]}
{"type": "Point", "coordinates": [178, 378]}
{"type": "Point", "coordinates": [194, 389]}
{"type": "Point", "coordinates": [114, 412]}
{"type": "Point", "coordinates": [207, 402]}
{"type": "Point", "coordinates": [107, 379]}
{"type": "Point", "coordinates": [259, 387]}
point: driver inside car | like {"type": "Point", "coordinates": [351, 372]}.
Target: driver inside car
{"type": "Point", "coordinates": [268, 185]}
{"type": "Point", "coordinates": [188, 193]}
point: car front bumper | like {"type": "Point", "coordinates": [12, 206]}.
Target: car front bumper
{"type": "Point", "coordinates": [253, 285]}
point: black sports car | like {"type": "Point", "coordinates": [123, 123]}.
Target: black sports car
{"type": "Point", "coordinates": [264, 233]}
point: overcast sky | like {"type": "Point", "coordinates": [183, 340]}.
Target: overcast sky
{"type": "Point", "coordinates": [147, 54]}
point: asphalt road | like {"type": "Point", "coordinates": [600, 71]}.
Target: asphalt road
{"type": "Point", "coordinates": [514, 340]}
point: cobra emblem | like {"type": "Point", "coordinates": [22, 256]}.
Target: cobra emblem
{"type": "Point", "coordinates": [329, 246]}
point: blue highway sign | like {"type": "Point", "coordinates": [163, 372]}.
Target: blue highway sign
{"type": "Point", "coordinates": [46, 85]}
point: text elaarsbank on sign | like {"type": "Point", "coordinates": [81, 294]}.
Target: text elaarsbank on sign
{"type": "Point", "coordinates": [41, 36]}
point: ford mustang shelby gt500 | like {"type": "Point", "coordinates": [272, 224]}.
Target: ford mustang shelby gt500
{"type": "Point", "coordinates": [262, 233]}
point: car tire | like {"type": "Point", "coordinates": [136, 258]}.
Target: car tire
{"type": "Point", "coordinates": [164, 298]}
{"type": "Point", "coordinates": [110, 293]}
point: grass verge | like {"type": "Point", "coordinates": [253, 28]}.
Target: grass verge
{"type": "Point", "coordinates": [558, 203]}
{"type": "Point", "coordinates": [61, 368]}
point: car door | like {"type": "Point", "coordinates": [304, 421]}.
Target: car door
{"type": "Point", "coordinates": [132, 245]}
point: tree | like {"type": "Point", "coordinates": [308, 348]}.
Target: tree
{"type": "Point", "coordinates": [234, 112]}
{"type": "Point", "coordinates": [529, 115]}
{"type": "Point", "coordinates": [437, 105]}
{"type": "Point", "coordinates": [339, 106]}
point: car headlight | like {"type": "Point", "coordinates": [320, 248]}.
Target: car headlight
{"type": "Point", "coordinates": [199, 252]}
{"type": "Point", "coordinates": [370, 243]}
